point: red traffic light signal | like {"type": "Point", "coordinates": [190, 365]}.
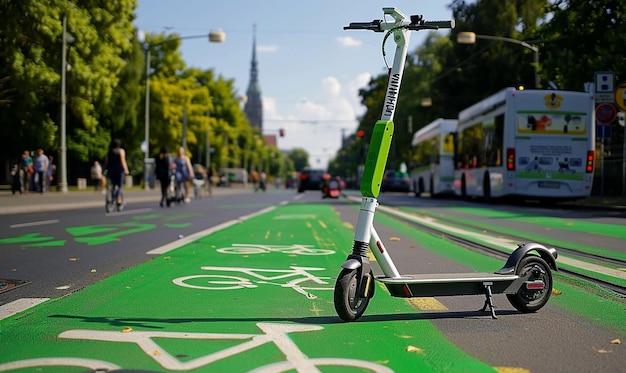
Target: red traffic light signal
{"type": "Point", "coordinates": [281, 132]}
{"type": "Point", "coordinates": [360, 133]}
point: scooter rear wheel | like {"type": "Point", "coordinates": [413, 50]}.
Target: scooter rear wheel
{"type": "Point", "coordinates": [348, 304]}
{"type": "Point", "coordinates": [530, 300]}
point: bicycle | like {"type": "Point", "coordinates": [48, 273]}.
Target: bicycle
{"type": "Point", "coordinates": [298, 278]}
{"type": "Point", "coordinates": [275, 333]}
{"type": "Point", "coordinates": [114, 198]}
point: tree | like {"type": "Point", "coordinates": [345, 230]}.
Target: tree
{"type": "Point", "coordinates": [30, 62]}
{"type": "Point", "coordinates": [299, 157]}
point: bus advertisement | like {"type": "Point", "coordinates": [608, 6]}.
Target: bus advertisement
{"type": "Point", "coordinates": [433, 158]}
{"type": "Point", "coordinates": [536, 144]}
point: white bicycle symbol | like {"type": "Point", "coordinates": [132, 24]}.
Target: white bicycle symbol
{"type": "Point", "coordinates": [227, 282]}
{"type": "Point", "coordinates": [246, 249]}
{"type": "Point", "coordinates": [272, 333]}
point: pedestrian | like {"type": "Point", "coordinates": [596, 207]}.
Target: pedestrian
{"type": "Point", "coordinates": [26, 168]}
{"type": "Point", "coordinates": [163, 167]}
{"type": "Point", "coordinates": [254, 177]}
{"type": "Point", "coordinates": [52, 170]}
{"type": "Point", "coordinates": [40, 166]}
{"type": "Point", "coordinates": [263, 181]}
{"type": "Point", "coordinates": [96, 176]}
{"type": "Point", "coordinates": [116, 167]}
{"type": "Point", "coordinates": [16, 179]}
{"type": "Point", "coordinates": [184, 171]}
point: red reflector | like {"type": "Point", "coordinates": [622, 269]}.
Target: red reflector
{"type": "Point", "coordinates": [406, 290]}
{"type": "Point", "coordinates": [535, 285]}
{"type": "Point", "coordinates": [380, 246]}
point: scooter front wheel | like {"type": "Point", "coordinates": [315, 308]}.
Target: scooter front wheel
{"type": "Point", "coordinates": [348, 303]}
{"type": "Point", "coordinates": [532, 296]}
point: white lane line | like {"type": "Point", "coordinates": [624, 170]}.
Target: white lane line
{"type": "Point", "coordinates": [129, 212]}
{"type": "Point", "coordinates": [18, 306]}
{"type": "Point", "coordinates": [183, 241]}
{"type": "Point", "coordinates": [34, 223]}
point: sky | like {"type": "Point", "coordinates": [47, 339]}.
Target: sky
{"type": "Point", "coordinates": [309, 69]}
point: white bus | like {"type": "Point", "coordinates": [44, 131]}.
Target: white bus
{"type": "Point", "coordinates": [433, 158]}
{"type": "Point", "coordinates": [534, 144]}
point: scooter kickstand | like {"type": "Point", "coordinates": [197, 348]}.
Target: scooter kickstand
{"type": "Point", "coordinates": [489, 300]}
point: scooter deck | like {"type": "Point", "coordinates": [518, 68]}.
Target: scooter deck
{"type": "Point", "coordinates": [448, 284]}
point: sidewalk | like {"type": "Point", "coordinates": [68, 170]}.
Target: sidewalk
{"type": "Point", "coordinates": [55, 201]}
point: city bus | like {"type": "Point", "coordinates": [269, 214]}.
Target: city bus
{"type": "Point", "coordinates": [433, 158]}
{"type": "Point", "coordinates": [533, 144]}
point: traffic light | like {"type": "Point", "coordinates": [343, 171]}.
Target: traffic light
{"type": "Point", "coordinates": [360, 133]}
{"type": "Point", "coordinates": [281, 132]}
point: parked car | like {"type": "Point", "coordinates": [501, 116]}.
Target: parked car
{"type": "Point", "coordinates": [310, 179]}
{"type": "Point", "coordinates": [396, 181]}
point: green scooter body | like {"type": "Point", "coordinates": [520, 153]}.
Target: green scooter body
{"type": "Point", "coordinates": [376, 158]}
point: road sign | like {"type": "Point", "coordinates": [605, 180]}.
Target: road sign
{"type": "Point", "coordinates": [620, 96]}
{"type": "Point", "coordinates": [606, 113]}
{"type": "Point", "coordinates": [605, 82]}
{"type": "Point", "coordinates": [603, 132]}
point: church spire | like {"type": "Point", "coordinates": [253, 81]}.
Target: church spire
{"type": "Point", "coordinates": [254, 107]}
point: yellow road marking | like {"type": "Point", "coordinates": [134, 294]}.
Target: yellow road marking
{"type": "Point", "coordinates": [427, 304]}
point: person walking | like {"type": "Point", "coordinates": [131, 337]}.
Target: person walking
{"type": "Point", "coordinates": [263, 181]}
{"type": "Point", "coordinates": [40, 166]}
{"type": "Point", "coordinates": [184, 171]}
{"type": "Point", "coordinates": [26, 170]}
{"type": "Point", "coordinates": [254, 177]}
{"type": "Point", "coordinates": [52, 169]}
{"type": "Point", "coordinates": [163, 167]}
{"type": "Point", "coordinates": [96, 176]}
{"type": "Point", "coordinates": [116, 167]}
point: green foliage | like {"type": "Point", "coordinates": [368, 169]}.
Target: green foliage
{"type": "Point", "coordinates": [575, 38]}
{"type": "Point", "coordinates": [299, 157]}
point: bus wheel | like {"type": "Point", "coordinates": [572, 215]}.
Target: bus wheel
{"type": "Point", "coordinates": [432, 187]}
{"type": "Point", "coordinates": [486, 187]}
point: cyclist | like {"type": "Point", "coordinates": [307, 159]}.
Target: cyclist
{"type": "Point", "coordinates": [116, 167]}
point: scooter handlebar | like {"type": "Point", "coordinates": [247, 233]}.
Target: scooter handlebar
{"type": "Point", "coordinates": [440, 24]}
{"type": "Point", "coordinates": [374, 26]}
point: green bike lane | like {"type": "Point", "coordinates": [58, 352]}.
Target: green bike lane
{"type": "Point", "coordinates": [254, 296]}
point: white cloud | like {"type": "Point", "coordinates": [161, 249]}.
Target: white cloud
{"type": "Point", "coordinates": [348, 41]}
{"type": "Point", "coordinates": [267, 48]}
{"type": "Point", "coordinates": [332, 85]}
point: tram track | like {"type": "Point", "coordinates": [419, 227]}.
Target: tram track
{"type": "Point", "coordinates": [603, 263]}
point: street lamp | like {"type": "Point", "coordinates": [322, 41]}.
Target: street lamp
{"type": "Point", "coordinates": [214, 37]}
{"type": "Point", "coordinates": [66, 38]}
{"type": "Point", "coordinates": [468, 37]}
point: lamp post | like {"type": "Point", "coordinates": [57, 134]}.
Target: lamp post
{"type": "Point", "coordinates": [214, 37]}
{"type": "Point", "coordinates": [66, 38]}
{"type": "Point", "coordinates": [468, 37]}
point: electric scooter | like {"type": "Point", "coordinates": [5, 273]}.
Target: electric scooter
{"type": "Point", "coordinates": [526, 277]}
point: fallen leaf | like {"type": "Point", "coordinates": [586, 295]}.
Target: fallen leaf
{"type": "Point", "coordinates": [394, 238]}
{"type": "Point", "coordinates": [127, 329]}
{"type": "Point", "coordinates": [616, 342]}
{"type": "Point", "coordinates": [93, 270]}
{"type": "Point", "coordinates": [156, 352]}
{"type": "Point", "coordinates": [556, 292]}
{"type": "Point", "coordinates": [602, 351]}
{"type": "Point", "coordinates": [414, 349]}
